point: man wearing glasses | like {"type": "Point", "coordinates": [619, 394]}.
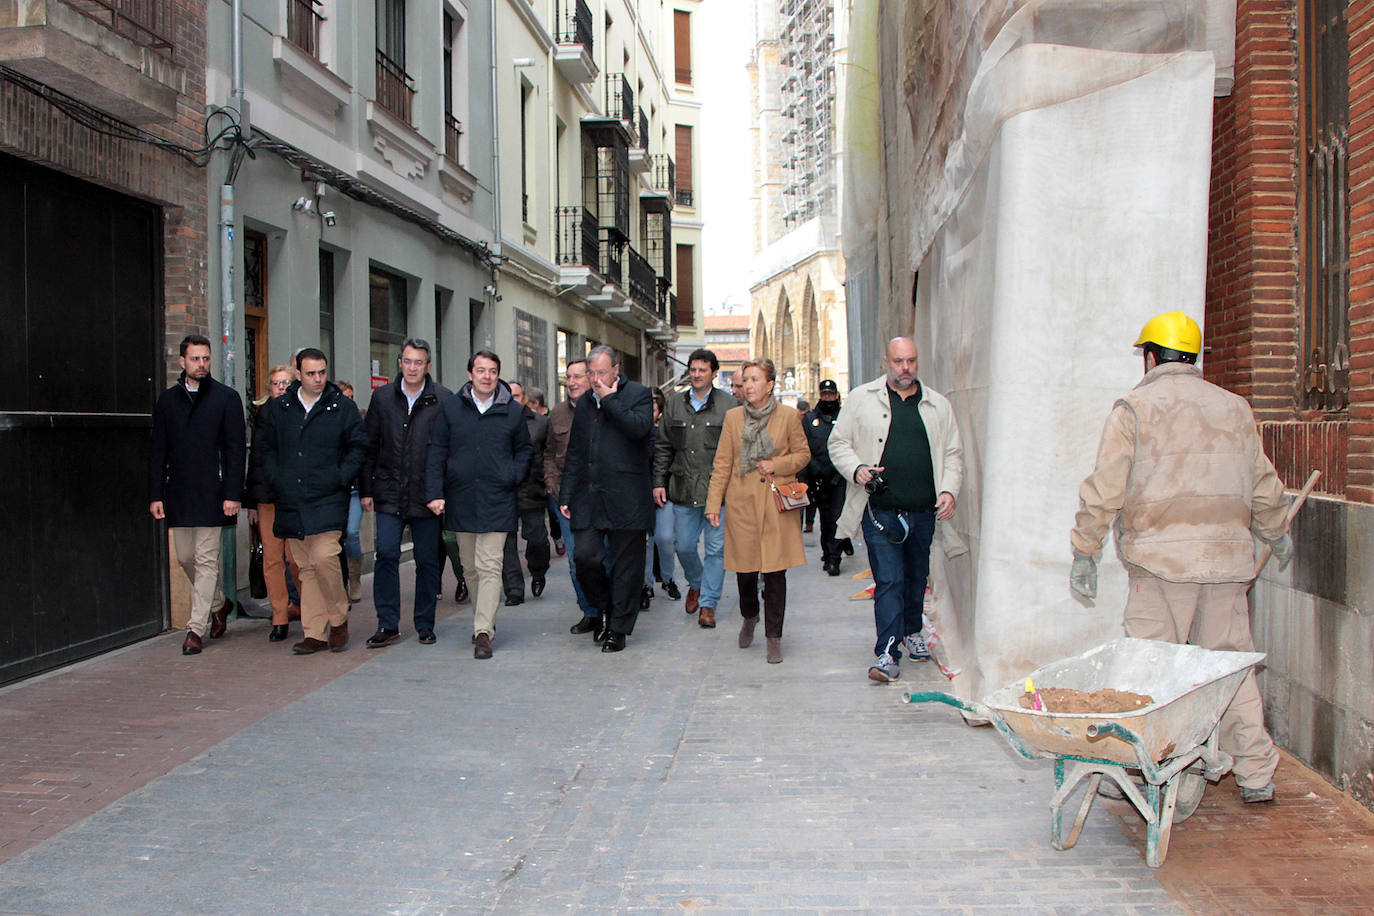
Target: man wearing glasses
{"type": "Point", "coordinates": [897, 443]}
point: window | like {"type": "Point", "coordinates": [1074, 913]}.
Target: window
{"type": "Point", "coordinates": [526, 90]}
{"type": "Point", "coordinates": [684, 165]}
{"type": "Point", "coordinates": [531, 350]}
{"type": "Point", "coordinates": [442, 300]}
{"type": "Point", "coordinates": [303, 21]}
{"type": "Point", "coordinates": [327, 304]}
{"type": "Point", "coordinates": [686, 313]}
{"type": "Point", "coordinates": [255, 327]}
{"type": "Point", "coordinates": [453, 59]}
{"type": "Point", "coordinates": [387, 318]}
{"type": "Point", "coordinates": [1326, 314]}
{"type": "Point", "coordinates": [682, 46]}
{"type": "Point", "coordinates": [395, 88]}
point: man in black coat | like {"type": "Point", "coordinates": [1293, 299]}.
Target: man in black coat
{"type": "Point", "coordinates": [606, 493]}
{"type": "Point", "coordinates": [195, 479]}
{"type": "Point", "coordinates": [312, 450]}
{"type": "Point", "coordinates": [827, 485]}
{"type": "Point", "coordinates": [392, 484]}
{"type": "Point", "coordinates": [479, 452]}
{"type": "Point", "coordinates": [532, 502]}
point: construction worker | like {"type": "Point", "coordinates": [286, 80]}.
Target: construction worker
{"type": "Point", "coordinates": [1180, 463]}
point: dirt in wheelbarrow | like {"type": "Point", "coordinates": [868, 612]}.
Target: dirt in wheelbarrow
{"type": "Point", "coordinates": [1107, 700]}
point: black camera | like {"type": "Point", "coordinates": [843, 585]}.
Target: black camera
{"type": "Point", "coordinates": [877, 483]}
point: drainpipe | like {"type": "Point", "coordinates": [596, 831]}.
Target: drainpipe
{"type": "Point", "coordinates": [495, 152]}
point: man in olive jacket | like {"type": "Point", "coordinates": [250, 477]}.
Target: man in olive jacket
{"type": "Point", "coordinates": [313, 448]}
{"type": "Point", "coordinates": [195, 479]}
{"type": "Point", "coordinates": [684, 453]}
{"type": "Point", "coordinates": [606, 493]}
{"type": "Point", "coordinates": [393, 485]}
{"type": "Point", "coordinates": [479, 452]}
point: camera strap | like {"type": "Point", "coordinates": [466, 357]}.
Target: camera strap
{"type": "Point", "coordinates": [894, 537]}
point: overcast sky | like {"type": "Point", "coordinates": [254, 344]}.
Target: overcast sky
{"type": "Point", "coordinates": [723, 38]}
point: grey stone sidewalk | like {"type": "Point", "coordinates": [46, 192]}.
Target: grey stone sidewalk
{"type": "Point", "coordinates": [681, 774]}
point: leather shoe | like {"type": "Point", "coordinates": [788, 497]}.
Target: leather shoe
{"type": "Point", "coordinates": [693, 600]}
{"type": "Point", "coordinates": [746, 631]}
{"type": "Point", "coordinates": [707, 618]}
{"type": "Point", "coordinates": [278, 632]}
{"type": "Point", "coordinates": [603, 626]}
{"type": "Point", "coordinates": [192, 644]}
{"type": "Point", "coordinates": [219, 620]}
{"type": "Point", "coordinates": [831, 569]}
{"type": "Point", "coordinates": [615, 642]}
{"type": "Point", "coordinates": [426, 637]}
{"type": "Point", "coordinates": [513, 600]}
{"type": "Point", "coordinates": [558, 546]}
{"type": "Point", "coordinates": [584, 625]}
{"type": "Point", "coordinates": [536, 585]}
{"type": "Point", "coordinates": [460, 594]}
{"type": "Point", "coordinates": [481, 646]}
{"type": "Point", "coordinates": [848, 547]}
{"type": "Point", "coordinates": [309, 645]}
{"type": "Point", "coordinates": [338, 637]}
{"type": "Point", "coordinates": [382, 637]}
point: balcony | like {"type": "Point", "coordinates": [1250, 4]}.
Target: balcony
{"type": "Point", "coordinates": [577, 248]}
{"type": "Point", "coordinates": [453, 134]}
{"type": "Point", "coordinates": [395, 88]}
{"type": "Point", "coordinates": [572, 53]}
{"type": "Point", "coordinates": [662, 178]}
{"type": "Point", "coordinates": [612, 265]}
{"type": "Point", "coordinates": [643, 282]}
{"type": "Point", "coordinates": [639, 149]}
{"type": "Point", "coordinates": [303, 21]}
{"type": "Point", "coordinates": [685, 198]}
{"type": "Point", "coordinates": [115, 55]}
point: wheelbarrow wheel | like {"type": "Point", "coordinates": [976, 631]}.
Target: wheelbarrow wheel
{"type": "Point", "coordinates": [1191, 786]}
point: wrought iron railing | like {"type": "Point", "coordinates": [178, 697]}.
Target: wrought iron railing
{"type": "Point", "coordinates": [642, 280]}
{"type": "Point", "coordinates": [684, 197]}
{"type": "Point", "coordinates": [303, 21]}
{"type": "Point", "coordinates": [146, 22]}
{"type": "Point", "coordinates": [620, 99]}
{"type": "Point", "coordinates": [395, 88]}
{"type": "Point", "coordinates": [575, 24]}
{"type": "Point", "coordinates": [612, 265]}
{"type": "Point", "coordinates": [663, 178]}
{"type": "Point", "coordinates": [577, 240]}
{"type": "Point", "coordinates": [453, 131]}
{"type": "Point", "coordinates": [643, 137]}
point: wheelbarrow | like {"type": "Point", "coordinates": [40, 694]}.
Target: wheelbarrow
{"type": "Point", "coordinates": [1172, 742]}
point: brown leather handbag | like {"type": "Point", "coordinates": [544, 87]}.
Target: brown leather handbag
{"type": "Point", "coordinates": [789, 496]}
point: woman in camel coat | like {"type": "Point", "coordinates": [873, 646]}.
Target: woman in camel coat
{"type": "Point", "coordinates": [761, 440]}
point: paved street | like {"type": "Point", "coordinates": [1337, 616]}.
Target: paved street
{"type": "Point", "coordinates": [681, 774]}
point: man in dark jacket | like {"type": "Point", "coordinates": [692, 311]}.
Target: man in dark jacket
{"type": "Point", "coordinates": [195, 479]}
{"type": "Point", "coordinates": [313, 448]}
{"type": "Point", "coordinates": [827, 485]}
{"type": "Point", "coordinates": [606, 493]}
{"type": "Point", "coordinates": [479, 451]}
{"type": "Point", "coordinates": [555, 456]}
{"type": "Point", "coordinates": [392, 484]}
{"type": "Point", "coordinates": [533, 506]}
{"type": "Point", "coordinates": [684, 453]}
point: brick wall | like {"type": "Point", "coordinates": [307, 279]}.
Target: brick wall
{"type": "Point", "coordinates": [1360, 484]}
{"type": "Point", "coordinates": [32, 129]}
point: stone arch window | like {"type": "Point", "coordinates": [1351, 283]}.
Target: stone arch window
{"type": "Point", "coordinates": [787, 337]}
{"type": "Point", "coordinates": [809, 377]}
{"type": "Point", "coordinates": [760, 347]}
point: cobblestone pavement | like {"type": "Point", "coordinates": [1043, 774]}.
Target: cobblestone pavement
{"type": "Point", "coordinates": [681, 774]}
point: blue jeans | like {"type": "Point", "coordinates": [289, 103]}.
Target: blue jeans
{"type": "Point", "coordinates": [689, 524]}
{"type": "Point", "coordinates": [663, 540]}
{"type": "Point", "coordinates": [353, 544]}
{"type": "Point", "coordinates": [900, 573]}
{"type": "Point", "coordinates": [425, 536]}
{"type": "Point", "coordinates": [565, 528]}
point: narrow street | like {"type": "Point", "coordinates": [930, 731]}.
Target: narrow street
{"type": "Point", "coordinates": [682, 774]}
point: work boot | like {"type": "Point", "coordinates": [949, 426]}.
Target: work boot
{"type": "Point", "coordinates": [355, 579]}
{"type": "Point", "coordinates": [1257, 796]}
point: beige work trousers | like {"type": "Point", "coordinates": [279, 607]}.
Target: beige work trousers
{"type": "Point", "coordinates": [198, 553]}
{"type": "Point", "coordinates": [487, 548]}
{"type": "Point", "coordinates": [324, 598]}
{"type": "Point", "coordinates": [1213, 616]}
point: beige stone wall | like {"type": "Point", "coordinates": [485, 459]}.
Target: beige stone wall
{"type": "Point", "coordinates": [797, 318]}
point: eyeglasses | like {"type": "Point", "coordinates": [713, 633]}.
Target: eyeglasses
{"type": "Point", "coordinates": [414, 363]}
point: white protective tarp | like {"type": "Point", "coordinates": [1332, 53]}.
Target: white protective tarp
{"type": "Point", "coordinates": [1050, 184]}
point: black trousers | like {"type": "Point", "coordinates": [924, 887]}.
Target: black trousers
{"type": "Point", "coordinates": [536, 535]}
{"type": "Point", "coordinates": [830, 504]}
{"type": "Point", "coordinates": [618, 592]}
{"type": "Point", "coordinates": [774, 598]}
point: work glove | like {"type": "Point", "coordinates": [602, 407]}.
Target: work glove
{"type": "Point", "coordinates": [1083, 577]}
{"type": "Point", "coordinates": [1283, 550]}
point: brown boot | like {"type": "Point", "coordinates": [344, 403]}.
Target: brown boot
{"type": "Point", "coordinates": [309, 646]}
{"type": "Point", "coordinates": [774, 649]}
{"type": "Point", "coordinates": [338, 637]}
{"type": "Point", "coordinates": [355, 579]}
{"type": "Point", "coordinates": [693, 600]}
{"type": "Point", "coordinates": [219, 620]}
{"type": "Point", "coordinates": [707, 617]}
{"type": "Point", "coordinates": [192, 644]}
{"type": "Point", "coordinates": [746, 631]}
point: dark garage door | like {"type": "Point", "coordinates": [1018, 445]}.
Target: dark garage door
{"type": "Point", "coordinates": [84, 566]}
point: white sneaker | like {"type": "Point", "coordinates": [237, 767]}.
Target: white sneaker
{"type": "Point", "coordinates": [915, 646]}
{"type": "Point", "coordinates": [885, 669]}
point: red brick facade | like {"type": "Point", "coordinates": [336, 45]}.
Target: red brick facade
{"type": "Point", "coordinates": [34, 130]}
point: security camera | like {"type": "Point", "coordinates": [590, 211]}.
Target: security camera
{"type": "Point", "coordinates": [489, 289]}
{"type": "Point", "coordinates": [329, 217]}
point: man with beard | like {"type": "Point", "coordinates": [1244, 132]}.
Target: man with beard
{"type": "Point", "coordinates": [195, 479]}
{"type": "Point", "coordinates": [827, 486]}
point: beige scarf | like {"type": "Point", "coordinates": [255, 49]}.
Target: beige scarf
{"type": "Point", "coordinates": [756, 443]}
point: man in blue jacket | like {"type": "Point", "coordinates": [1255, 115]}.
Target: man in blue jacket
{"type": "Point", "coordinates": [479, 452]}
{"type": "Point", "coordinates": [195, 479]}
{"type": "Point", "coordinates": [607, 494]}
{"type": "Point", "coordinates": [313, 447]}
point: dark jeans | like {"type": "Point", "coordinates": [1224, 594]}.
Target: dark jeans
{"type": "Point", "coordinates": [774, 598]}
{"type": "Point", "coordinates": [617, 592]}
{"type": "Point", "coordinates": [570, 544]}
{"type": "Point", "coordinates": [900, 572]}
{"type": "Point", "coordinates": [425, 535]}
{"type": "Point", "coordinates": [536, 551]}
{"type": "Point", "coordinates": [830, 504]}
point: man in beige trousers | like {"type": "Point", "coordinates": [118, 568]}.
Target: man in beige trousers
{"type": "Point", "coordinates": [1181, 470]}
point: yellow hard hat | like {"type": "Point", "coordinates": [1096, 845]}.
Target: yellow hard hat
{"type": "Point", "coordinates": [1173, 330]}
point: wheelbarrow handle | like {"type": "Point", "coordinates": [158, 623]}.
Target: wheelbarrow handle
{"type": "Point", "coordinates": [1148, 768]}
{"type": "Point", "coordinates": [977, 709]}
